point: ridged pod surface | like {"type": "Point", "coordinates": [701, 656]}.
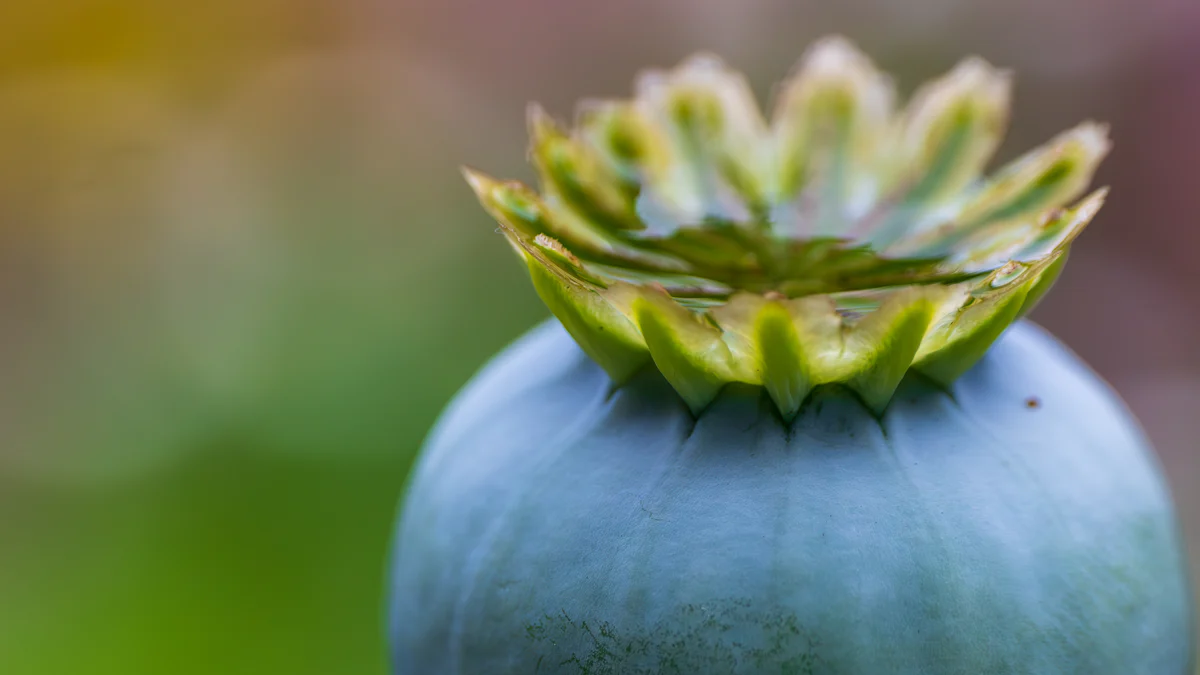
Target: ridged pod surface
{"type": "Point", "coordinates": [1014, 524]}
{"type": "Point", "coordinates": [768, 431]}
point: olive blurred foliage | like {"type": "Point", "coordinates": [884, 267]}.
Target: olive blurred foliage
{"type": "Point", "coordinates": [240, 275]}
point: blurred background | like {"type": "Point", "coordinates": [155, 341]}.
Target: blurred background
{"type": "Point", "coordinates": [240, 275]}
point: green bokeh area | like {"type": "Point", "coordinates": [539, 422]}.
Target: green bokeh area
{"type": "Point", "coordinates": [257, 548]}
{"type": "Point", "coordinates": [205, 444]}
{"type": "Point", "coordinates": [231, 562]}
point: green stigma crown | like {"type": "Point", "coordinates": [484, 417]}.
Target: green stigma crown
{"type": "Point", "coordinates": [841, 242]}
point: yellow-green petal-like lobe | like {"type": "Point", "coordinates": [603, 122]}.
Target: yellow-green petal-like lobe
{"type": "Point", "coordinates": [973, 327]}
{"type": "Point", "coordinates": [827, 127]}
{"type": "Point", "coordinates": [787, 376]}
{"type": "Point", "coordinates": [689, 354]}
{"type": "Point", "coordinates": [884, 343]}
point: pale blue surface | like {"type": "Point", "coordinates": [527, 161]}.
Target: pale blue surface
{"type": "Point", "coordinates": [556, 526]}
